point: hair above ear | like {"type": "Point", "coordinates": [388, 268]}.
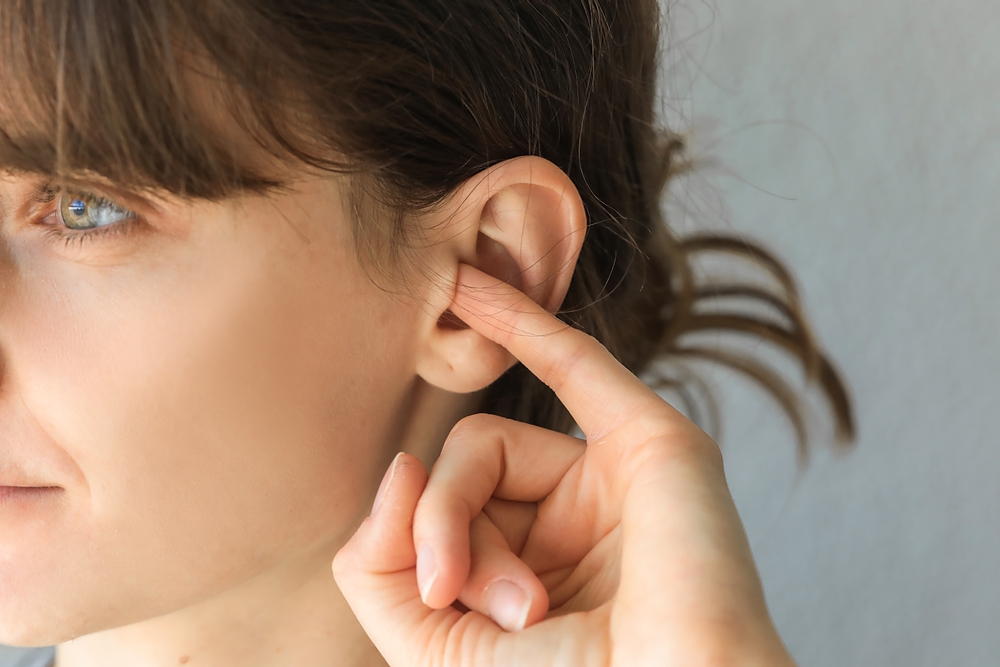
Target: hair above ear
{"type": "Point", "coordinates": [522, 222]}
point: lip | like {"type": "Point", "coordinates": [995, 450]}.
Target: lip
{"type": "Point", "coordinates": [21, 495]}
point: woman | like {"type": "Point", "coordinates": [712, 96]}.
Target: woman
{"type": "Point", "coordinates": [254, 251]}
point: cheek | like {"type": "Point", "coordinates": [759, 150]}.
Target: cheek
{"type": "Point", "coordinates": [221, 415]}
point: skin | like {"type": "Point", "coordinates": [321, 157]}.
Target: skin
{"type": "Point", "coordinates": [201, 392]}
{"type": "Point", "coordinates": [208, 402]}
{"type": "Point", "coordinates": [633, 538]}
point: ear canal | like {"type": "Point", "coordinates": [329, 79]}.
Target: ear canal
{"type": "Point", "coordinates": [451, 322]}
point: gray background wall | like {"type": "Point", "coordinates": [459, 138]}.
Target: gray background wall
{"type": "Point", "coordinates": [861, 141]}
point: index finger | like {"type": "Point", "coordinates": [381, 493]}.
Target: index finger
{"type": "Point", "coordinates": [597, 390]}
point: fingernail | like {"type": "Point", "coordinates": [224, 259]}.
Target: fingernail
{"type": "Point", "coordinates": [427, 571]}
{"type": "Point", "coordinates": [384, 486]}
{"type": "Point", "coordinates": [507, 604]}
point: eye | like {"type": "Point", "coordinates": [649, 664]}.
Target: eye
{"type": "Point", "coordinates": [82, 212]}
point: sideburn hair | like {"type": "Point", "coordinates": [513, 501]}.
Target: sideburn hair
{"type": "Point", "coordinates": [412, 98]}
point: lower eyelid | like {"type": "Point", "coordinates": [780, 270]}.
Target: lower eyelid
{"type": "Point", "coordinates": [56, 231]}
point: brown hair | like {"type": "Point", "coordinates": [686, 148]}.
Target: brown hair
{"type": "Point", "coordinates": [411, 97]}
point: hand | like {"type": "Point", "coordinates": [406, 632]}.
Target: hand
{"type": "Point", "coordinates": [624, 550]}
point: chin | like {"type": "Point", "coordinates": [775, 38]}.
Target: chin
{"type": "Point", "coordinates": [42, 605]}
{"type": "Point", "coordinates": [24, 627]}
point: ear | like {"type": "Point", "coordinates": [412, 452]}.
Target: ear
{"type": "Point", "coordinates": [523, 222]}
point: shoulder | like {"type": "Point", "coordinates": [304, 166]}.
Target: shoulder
{"type": "Point", "coordinates": [21, 657]}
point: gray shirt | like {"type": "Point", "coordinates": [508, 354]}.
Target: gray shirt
{"type": "Point", "coordinates": [33, 657]}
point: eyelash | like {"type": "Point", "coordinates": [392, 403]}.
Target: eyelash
{"type": "Point", "coordinates": [50, 194]}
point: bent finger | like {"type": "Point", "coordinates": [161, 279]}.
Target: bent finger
{"type": "Point", "coordinates": [383, 543]}
{"type": "Point", "coordinates": [375, 572]}
{"type": "Point", "coordinates": [598, 391]}
{"type": "Point", "coordinates": [484, 456]}
{"type": "Point", "coordinates": [500, 585]}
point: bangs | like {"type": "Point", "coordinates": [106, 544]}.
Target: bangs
{"type": "Point", "coordinates": [108, 87]}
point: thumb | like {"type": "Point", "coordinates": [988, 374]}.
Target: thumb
{"type": "Point", "coordinates": [376, 572]}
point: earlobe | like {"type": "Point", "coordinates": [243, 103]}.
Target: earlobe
{"type": "Point", "coordinates": [522, 222]}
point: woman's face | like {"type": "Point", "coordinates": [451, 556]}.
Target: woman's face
{"type": "Point", "coordinates": [204, 390]}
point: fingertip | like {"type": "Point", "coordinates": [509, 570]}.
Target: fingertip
{"type": "Point", "coordinates": [401, 487]}
{"type": "Point", "coordinates": [500, 584]}
{"type": "Point", "coordinates": [441, 538]}
{"type": "Point", "coordinates": [390, 473]}
{"type": "Point", "coordinates": [471, 282]}
{"type": "Point", "coordinates": [427, 574]}
{"type": "Point", "coordinates": [480, 298]}
{"type": "Point", "coordinates": [507, 604]}
{"type": "Point", "coordinates": [384, 540]}
{"type": "Point", "coordinates": [440, 575]}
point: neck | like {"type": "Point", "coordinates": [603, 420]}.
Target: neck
{"type": "Point", "coordinates": [293, 617]}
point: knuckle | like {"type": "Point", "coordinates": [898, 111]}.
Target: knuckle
{"type": "Point", "coordinates": [675, 434]}
{"type": "Point", "coordinates": [435, 507]}
{"type": "Point", "coordinates": [694, 447]}
{"type": "Point", "coordinates": [668, 442]}
{"type": "Point", "coordinates": [471, 429]}
{"type": "Point", "coordinates": [481, 440]}
{"type": "Point", "coordinates": [442, 505]}
{"type": "Point", "coordinates": [561, 369]}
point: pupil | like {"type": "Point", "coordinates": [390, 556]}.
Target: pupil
{"type": "Point", "coordinates": [78, 207]}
